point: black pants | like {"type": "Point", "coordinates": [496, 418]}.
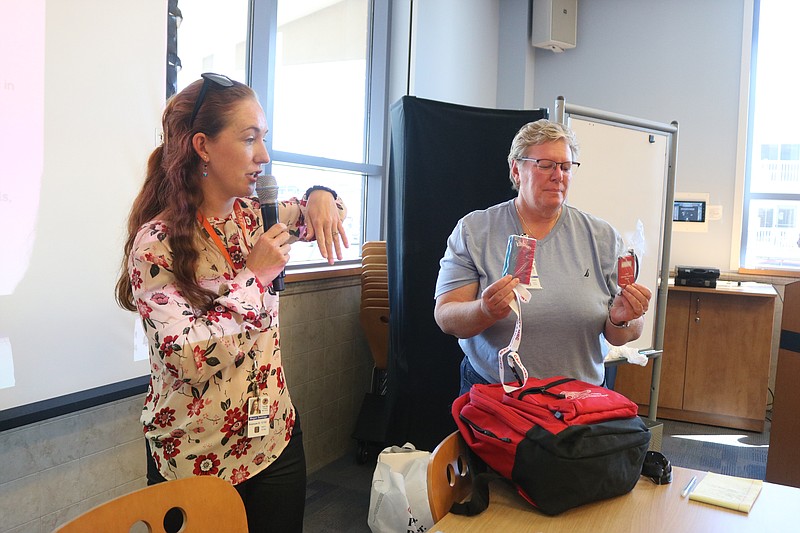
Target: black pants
{"type": "Point", "coordinates": [274, 498]}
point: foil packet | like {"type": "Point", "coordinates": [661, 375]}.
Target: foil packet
{"type": "Point", "coordinates": [519, 261]}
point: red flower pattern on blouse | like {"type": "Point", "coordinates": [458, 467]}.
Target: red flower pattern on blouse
{"type": "Point", "coordinates": [262, 376]}
{"type": "Point", "coordinates": [195, 406]}
{"type": "Point", "coordinates": [167, 348]}
{"type": "Point", "coordinates": [239, 474]}
{"type": "Point", "coordinates": [250, 221]}
{"type": "Point", "coordinates": [159, 260]}
{"type": "Point", "coordinates": [289, 426]}
{"type": "Point", "coordinates": [164, 417]}
{"type": "Point", "coordinates": [199, 356]}
{"type": "Point", "coordinates": [170, 447]}
{"type": "Point", "coordinates": [235, 422]}
{"type": "Point", "coordinates": [144, 309]}
{"type": "Point", "coordinates": [218, 312]}
{"type": "Point", "coordinates": [136, 279]}
{"type": "Point", "coordinates": [206, 465]}
{"type": "Point", "coordinates": [240, 447]}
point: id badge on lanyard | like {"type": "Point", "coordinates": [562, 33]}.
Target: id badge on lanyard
{"type": "Point", "coordinates": [258, 418]}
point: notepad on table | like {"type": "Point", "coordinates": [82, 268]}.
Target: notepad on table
{"type": "Point", "coordinates": [731, 492]}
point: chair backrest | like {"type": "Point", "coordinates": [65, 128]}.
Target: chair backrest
{"type": "Point", "coordinates": [208, 504]}
{"type": "Point", "coordinates": [449, 478]}
{"type": "Point", "coordinates": [374, 316]}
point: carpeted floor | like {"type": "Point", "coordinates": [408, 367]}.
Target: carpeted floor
{"type": "Point", "coordinates": [337, 497]}
{"type": "Point", "coordinates": [721, 450]}
{"type": "Point", "coordinates": [338, 494]}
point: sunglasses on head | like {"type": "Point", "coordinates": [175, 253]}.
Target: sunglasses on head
{"type": "Point", "coordinates": [208, 78]}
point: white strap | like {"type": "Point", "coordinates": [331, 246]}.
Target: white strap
{"type": "Point", "coordinates": [510, 352]}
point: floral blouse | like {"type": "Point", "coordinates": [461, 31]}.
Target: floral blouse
{"type": "Point", "coordinates": [206, 365]}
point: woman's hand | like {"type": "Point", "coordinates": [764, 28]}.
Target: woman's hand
{"type": "Point", "coordinates": [631, 303]}
{"type": "Point", "coordinates": [324, 224]}
{"type": "Point", "coordinates": [270, 253]}
{"type": "Point", "coordinates": [496, 298]}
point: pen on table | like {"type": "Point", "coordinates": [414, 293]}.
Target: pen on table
{"type": "Point", "coordinates": [688, 488]}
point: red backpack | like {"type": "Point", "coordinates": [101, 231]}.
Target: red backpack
{"type": "Point", "coordinates": [561, 441]}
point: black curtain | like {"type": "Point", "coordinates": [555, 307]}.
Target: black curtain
{"type": "Point", "coordinates": [174, 18]}
{"type": "Point", "coordinates": [446, 160]}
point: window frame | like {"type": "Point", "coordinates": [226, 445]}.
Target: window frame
{"type": "Point", "coordinates": [744, 196]}
{"type": "Point", "coordinates": [261, 60]}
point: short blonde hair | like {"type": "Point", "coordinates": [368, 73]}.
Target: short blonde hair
{"type": "Point", "coordinates": [539, 132]}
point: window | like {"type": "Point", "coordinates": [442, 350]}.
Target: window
{"type": "Point", "coordinates": [319, 68]}
{"type": "Point", "coordinates": [212, 37]}
{"type": "Point", "coordinates": [770, 229]}
{"type": "Point", "coordinates": [765, 218]}
{"type": "Point", "coordinates": [790, 152]}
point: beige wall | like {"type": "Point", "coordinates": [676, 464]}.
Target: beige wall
{"type": "Point", "coordinates": [54, 470]}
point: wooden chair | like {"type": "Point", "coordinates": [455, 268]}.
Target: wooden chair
{"type": "Point", "coordinates": [209, 505]}
{"type": "Point", "coordinates": [373, 247]}
{"type": "Point", "coordinates": [375, 322]}
{"type": "Point", "coordinates": [449, 478]}
{"type": "Point", "coordinates": [375, 294]}
{"type": "Point", "coordinates": [375, 275]}
{"type": "Point", "coordinates": [375, 284]}
{"type": "Point", "coordinates": [375, 302]}
{"type": "Point", "coordinates": [374, 316]}
{"type": "Point", "coordinates": [373, 260]}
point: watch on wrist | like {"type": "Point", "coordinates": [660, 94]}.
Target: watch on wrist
{"type": "Point", "coordinates": [321, 188]}
{"type": "Point", "coordinates": [618, 326]}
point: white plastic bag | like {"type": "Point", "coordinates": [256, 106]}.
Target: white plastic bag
{"type": "Point", "coordinates": [398, 500]}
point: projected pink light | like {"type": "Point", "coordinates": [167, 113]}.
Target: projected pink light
{"type": "Point", "coordinates": [21, 134]}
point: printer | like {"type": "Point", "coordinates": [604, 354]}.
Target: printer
{"type": "Point", "coordinates": [694, 276]}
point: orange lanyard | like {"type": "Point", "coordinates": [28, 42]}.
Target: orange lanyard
{"type": "Point", "coordinates": [218, 242]}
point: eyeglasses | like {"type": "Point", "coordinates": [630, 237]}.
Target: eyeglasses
{"type": "Point", "coordinates": [548, 166]}
{"type": "Point", "coordinates": [208, 78]}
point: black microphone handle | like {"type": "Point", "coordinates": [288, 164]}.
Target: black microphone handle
{"type": "Point", "coordinates": [269, 212]}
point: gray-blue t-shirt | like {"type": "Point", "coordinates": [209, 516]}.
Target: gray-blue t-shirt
{"type": "Point", "coordinates": [564, 320]}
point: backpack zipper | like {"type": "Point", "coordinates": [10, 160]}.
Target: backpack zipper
{"type": "Point", "coordinates": [543, 389]}
{"type": "Point", "coordinates": [482, 431]}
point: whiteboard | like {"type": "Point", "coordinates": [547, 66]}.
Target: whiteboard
{"type": "Point", "coordinates": [66, 188]}
{"type": "Point", "coordinates": [622, 179]}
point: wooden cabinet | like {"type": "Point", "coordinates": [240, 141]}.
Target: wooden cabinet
{"type": "Point", "coordinates": [715, 366]}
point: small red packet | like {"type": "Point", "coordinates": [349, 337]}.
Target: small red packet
{"type": "Point", "coordinates": [520, 252]}
{"type": "Point", "coordinates": [627, 269]}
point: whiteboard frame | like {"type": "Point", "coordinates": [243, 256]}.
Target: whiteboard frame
{"type": "Point", "coordinates": [565, 111]}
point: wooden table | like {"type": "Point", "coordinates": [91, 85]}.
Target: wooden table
{"type": "Point", "coordinates": [649, 508]}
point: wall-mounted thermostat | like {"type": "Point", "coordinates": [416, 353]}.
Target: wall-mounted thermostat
{"type": "Point", "coordinates": [690, 212]}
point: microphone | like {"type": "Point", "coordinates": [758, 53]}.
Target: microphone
{"type": "Point", "coordinates": [267, 191]}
